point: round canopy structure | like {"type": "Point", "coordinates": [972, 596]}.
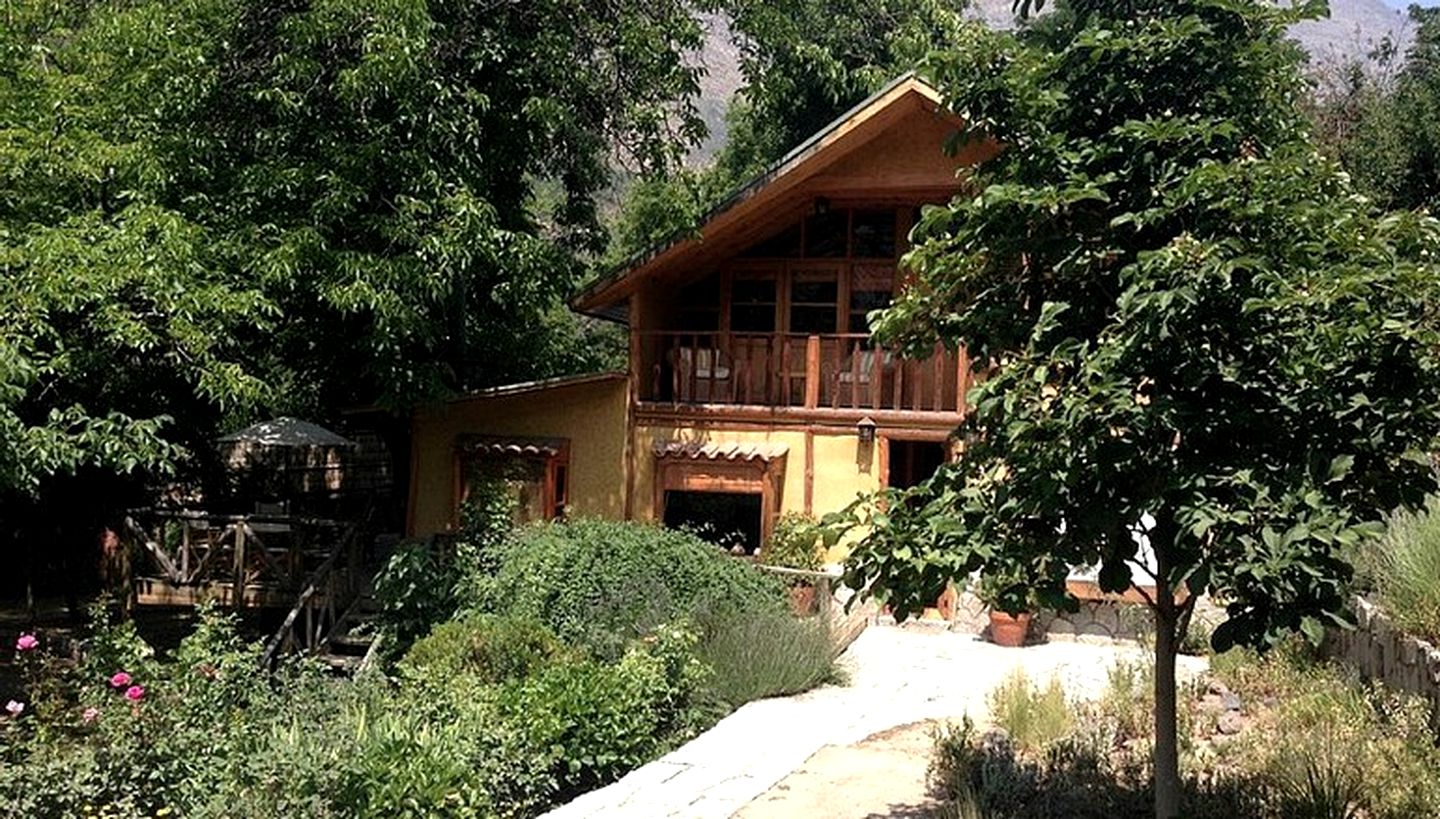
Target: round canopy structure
{"type": "Point", "coordinates": [286, 432]}
{"type": "Point", "coordinates": [285, 457]}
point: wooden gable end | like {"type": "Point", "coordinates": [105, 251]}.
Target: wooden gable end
{"type": "Point", "coordinates": [890, 150]}
{"type": "Point", "coordinates": [906, 162]}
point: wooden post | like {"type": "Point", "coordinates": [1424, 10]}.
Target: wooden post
{"type": "Point", "coordinates": [636, 361]}
{"type": "Point", "coordinates": [239, 581]}
{"type": "Point", "coordinates": [939, 377]}
{"type": "Point", "coordinates": [900, 384]}
{"type": "Point", "coordinates": [855, 352]}
{"type": "Point", "coordinates": [780, 363]}
{"type": "Point", "coordinates": [877, 376]}
{"type": "Point", "coordinates": [812, 372]}
{"type": "Point", "coordinates": [694, 396]}
{"type": "Point", "coordinates": [962, 381]}
{"type": "Point", "coordinates": [184, 551]}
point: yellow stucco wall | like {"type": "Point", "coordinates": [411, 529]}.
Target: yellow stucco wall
{"type": "Point", "coordinates": [592, 415]}
{"type": "Point", "coordinates": [844, 468]}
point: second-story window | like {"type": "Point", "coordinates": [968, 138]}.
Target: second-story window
{"type": "Point", "coordinates": [752, 305]}
{"type": "Point", "coordinates": [814, 300]}
{"type": "Point", "coordinates": [872, 234]}
{"type": "Point", "coordinates": [871, 289]}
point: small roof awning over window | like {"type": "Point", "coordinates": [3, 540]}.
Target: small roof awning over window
{"type": "Point", "coordinates": [500, 447]}
{"type": "Point", "coordinates": [696, 451]}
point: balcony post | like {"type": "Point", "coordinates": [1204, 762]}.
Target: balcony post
{"type": "Point", "coordinates": [962, 380]}
{"type": "Point", "coordinates": [812, 372]}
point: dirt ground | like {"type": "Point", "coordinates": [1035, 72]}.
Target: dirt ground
{"type": "Point", "coordinates": [880, 776]}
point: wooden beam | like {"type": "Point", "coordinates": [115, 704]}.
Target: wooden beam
{"type": "Point", "coordinates": [650, 412]}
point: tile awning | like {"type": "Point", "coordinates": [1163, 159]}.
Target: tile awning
{"type": "Point", "coordinates": [762, 452]}
{"type": "Point", "coordinates": [512, 447]}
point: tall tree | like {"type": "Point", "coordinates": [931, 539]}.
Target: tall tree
{"type": "Point", "coordinates": [1387, 131]}
{"type": "Point", "coordinates": [806, 62]}
{"type": "Point", "coordinates": [1202, 341]}
{"type": "Point", "coordinates": [213, 208]}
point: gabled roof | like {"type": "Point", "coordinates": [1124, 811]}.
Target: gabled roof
{"type": "Point", "coordinates": [854, 128]}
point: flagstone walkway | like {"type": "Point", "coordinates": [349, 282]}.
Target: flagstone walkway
{"type": "Point", "coordinates": [897, 676]}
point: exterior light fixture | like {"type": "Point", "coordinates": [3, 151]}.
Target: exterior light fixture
{"type": "Point", "coordinates": [822, 205]}
{"type": "Point", "coordinates": [866, 428]}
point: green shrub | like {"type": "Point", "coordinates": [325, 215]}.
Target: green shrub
{"type": "Point", "coordinates": [766, 653]}
{"type": "Point", "coordinates": [588, 723]}
{"type": "Point", "coordinates": [1403, 566]}
{"type": "Point", "coordinates": [491, 648]}
{"type": "Point", "coordinates": [1033, 717]}
{"type": "Point", "coordinates": [797, 543]}
{"type": "Point", "coordinates": [416, 590]}
{"type": "Point", "coordinates": [1336, 742]}
{"type": "Point", "coordinates": [600, 584]}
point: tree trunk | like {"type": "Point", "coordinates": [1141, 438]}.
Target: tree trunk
{"type": "Point", "coordinates": [1167, 749]}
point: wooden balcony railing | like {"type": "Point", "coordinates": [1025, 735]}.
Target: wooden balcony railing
{"type": "Point", "coordinates": [837, 371]}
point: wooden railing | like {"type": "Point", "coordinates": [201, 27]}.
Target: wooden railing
{"type": "Point", "coordinates": [313, 614]}
{"type": "Point", "coordinates": [189, 551]}
{"type": "Point", "coordinates": [838, 371]}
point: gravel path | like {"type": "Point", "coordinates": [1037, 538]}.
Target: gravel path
{"type": "Point", "coordinates": [898, 676]}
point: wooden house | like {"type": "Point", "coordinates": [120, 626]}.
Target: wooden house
{"type": "Point", "coordinates": [753, 386]}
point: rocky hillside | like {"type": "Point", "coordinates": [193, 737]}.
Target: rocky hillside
{"type": "Point", "coordinates": [1354, 29]}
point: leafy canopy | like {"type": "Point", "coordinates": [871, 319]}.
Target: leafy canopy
{"type": "Point", "coordinates": [211, 208]}
{"type": "Point", "coordinates": [1387, 134]}
{"type": "Point", "coordinates": [1196, 336]}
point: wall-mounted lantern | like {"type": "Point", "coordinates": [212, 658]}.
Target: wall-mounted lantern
{"type": "Point", "coordinates": [866, 428]}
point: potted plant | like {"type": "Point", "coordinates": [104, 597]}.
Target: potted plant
{"type": "Point", "coordinates": [798, 543]}
{"type": "Point", "coordinates": [1011, 602]}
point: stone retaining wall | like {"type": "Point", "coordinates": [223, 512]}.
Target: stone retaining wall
{"type": "Point", "coordinates": [1380, 651]}
{"type": "Point", "coordinates": [1097, 620]}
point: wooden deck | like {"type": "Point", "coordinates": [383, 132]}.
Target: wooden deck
{"type": "Point", "coordinates": [312, 568]}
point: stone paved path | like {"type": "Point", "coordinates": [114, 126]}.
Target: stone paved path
{"type": "Point", "coordinates": [897, 676]}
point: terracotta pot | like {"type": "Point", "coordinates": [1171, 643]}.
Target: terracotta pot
{"type": "Point", "coordinates": [946, 604]}
{"type": "Point", "coordinates": [1009, 631]}
{"type": "Point", "coordinates": [802, 599]}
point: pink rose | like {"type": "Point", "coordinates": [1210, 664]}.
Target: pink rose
{"type": "Point", "coordinates": [26, 642]}
{"type": "Point", "coordinates": [120, 680]}
{"type": "Point", "coordinates": [135, 693]}
{"type": "Point", "coordinates": [14, 708]}
{"type": "Point", "coordinates": [91, 714]}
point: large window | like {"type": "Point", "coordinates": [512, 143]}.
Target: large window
{"type": "Point", "coordinates": [730, 520]}
{"type": "Point", "coordinates": [872, 234]}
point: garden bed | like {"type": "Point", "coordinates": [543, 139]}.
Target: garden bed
{"type": "Point", "coordinates": [551, 663]}
{"type": "Point", "coordinates": [1282, 736]}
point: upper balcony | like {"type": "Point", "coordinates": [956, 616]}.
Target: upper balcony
{"type": "Point", "coordinates": [784, 325]}
{"type": "Point", "coordinates": [817, 371]}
